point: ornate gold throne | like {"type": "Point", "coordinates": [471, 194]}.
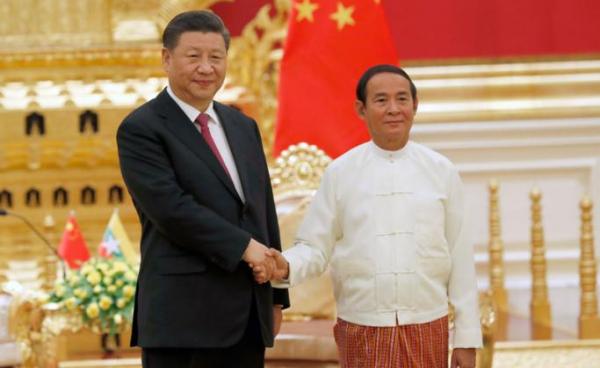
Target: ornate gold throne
{"type": "Point", "coordinates": [295, 176]}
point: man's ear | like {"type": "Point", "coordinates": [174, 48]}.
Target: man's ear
{"type": "Point", "coordinates": [359, 107]}
{"type": "Point", "coordinates": [166, 58]}
{"type": "Point", "coordinates": [415, 104]}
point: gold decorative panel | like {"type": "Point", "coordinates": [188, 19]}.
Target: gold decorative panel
{"type": "Point", "coordinates": [34, 23]}
{"type": "Point", "coordinates": [82, 23]}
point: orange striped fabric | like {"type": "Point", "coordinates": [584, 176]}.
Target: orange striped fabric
{"type": "Point", "coordinates": [422, 345]}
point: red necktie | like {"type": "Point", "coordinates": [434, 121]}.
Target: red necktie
{"type": "Point", "coordinates": [202, 119]}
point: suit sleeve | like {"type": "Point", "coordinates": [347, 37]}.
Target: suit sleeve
{"type": "Point", "coordinates": [151, 181]}
{"type": "Point", "coordinates": [280, 296]}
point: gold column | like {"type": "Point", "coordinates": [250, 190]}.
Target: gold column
{"type": "Point", "coordinates": [496, 262]}
{"type": "Point", "coordinates": [541, 319]}
{"type": "Point", "coordinates": [50, 262]}
{"type": "Point", "coordinates": [589, 323]}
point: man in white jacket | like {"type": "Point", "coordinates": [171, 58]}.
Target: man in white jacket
{"type": "Point", "coordinates": [389, 219]}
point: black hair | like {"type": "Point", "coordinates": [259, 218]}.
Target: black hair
{"type": "Point", "coordinates": [192, 21]}
{"type": "Point", "coordinates": [361, 87]}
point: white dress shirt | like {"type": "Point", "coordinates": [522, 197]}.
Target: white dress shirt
{"type": "Point", "coordinates": [218, 135]}
{"type": "Point", "coordinates": [390, 225]}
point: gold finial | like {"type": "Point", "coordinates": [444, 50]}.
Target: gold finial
{"type": "Point", "coordinates": [540, 307]}
{"type": "Point", "coordinates": [586, 204]}
{"type": "Point", "coordinates": [589, 323]}
{"type": "Point", "coordinates": [535, 194]}
{"type": "Point", "coordinates": [49, 222]}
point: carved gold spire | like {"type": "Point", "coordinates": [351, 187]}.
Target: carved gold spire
{"type": "Point", "coordinates": [496, 262]}
{"type": "Point", "coordinates": [589, 323]}
{"type": "Point", "coordinates": [541, 320]}
{"type": "Point", "coordinates": [496, 249]}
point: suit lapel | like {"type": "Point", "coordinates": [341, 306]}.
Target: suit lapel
{"type": "Point", "coordinates": [181, 127]}
{"type": "Point", "coordinates": [237, 143]}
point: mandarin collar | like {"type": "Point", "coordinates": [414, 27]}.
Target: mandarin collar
{"type": "Point", "coordinates": [385, 154]}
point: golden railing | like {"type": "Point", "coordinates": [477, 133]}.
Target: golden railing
{"type": "Point", "coordinates": [540, 312]}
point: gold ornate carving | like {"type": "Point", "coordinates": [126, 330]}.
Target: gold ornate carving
{"type": "Point", "coordinates": [257, 53]}
{"type": "Point", "coordinates": [541, 321]}
{"type": "Point", "coordinates": [299, 169]}
{"type": "Point", "coordinates": [589, 323]}
{"type": "Point", "coordinates": [34, 23]}
{"type": "Point", "coordinates": [55, 323]}
{"type": "Point", "coordinates": [61, 40]}
{"type": "Point", "coordinates": [25, 320]}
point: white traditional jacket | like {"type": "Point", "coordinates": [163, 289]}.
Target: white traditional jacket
{"type": "Point", "coordinates": [390, 225]}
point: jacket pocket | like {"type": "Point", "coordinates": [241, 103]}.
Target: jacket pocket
{"type": "Point", "coordinates": [430, 226]}
{"type": "Point", "coordinates": [181, 265]}
{"type": "Point", "coordinates": [354, 284]}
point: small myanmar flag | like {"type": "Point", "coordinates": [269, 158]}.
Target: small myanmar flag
{"type": "Point", "coordinates": [115, 242]}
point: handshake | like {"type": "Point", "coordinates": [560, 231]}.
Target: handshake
{"type": "Point", "coordinates": [267, 263]}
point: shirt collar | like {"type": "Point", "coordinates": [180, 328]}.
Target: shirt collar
{"type": "Point", "coordinates": [190, 111]}
{"type": "Point", "coordinates": [402, 152]}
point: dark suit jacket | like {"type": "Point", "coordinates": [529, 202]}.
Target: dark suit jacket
{"type": "Point", "coordinates": [193, 289]}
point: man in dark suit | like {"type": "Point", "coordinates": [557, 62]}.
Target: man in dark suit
{"type": "Point", "coordinates": [199, 180]}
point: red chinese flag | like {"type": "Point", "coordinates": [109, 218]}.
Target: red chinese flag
{"type": "Point", "coordinates": [73, 248]}
{"type": "Point", "coordinates": [329, 45]}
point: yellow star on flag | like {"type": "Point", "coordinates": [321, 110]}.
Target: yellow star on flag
{"type": "Point", "coordinates": [305, 10]}
{"type": "Point", "coordinates": [343, 16]}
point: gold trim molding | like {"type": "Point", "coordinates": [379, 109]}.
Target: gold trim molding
{"type": "Point", "coordinates": [147, 55]}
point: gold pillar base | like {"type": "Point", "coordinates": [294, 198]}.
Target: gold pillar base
{"type": "Point", "coordinates": [500, 297]}
{"type": "Point", "coordinates": [589, 327]}
{"type": "Point", "coordinates": [541, 321]}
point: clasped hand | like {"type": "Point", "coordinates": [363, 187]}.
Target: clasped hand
{"type": "Point", "coordinates": [266, 263]}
